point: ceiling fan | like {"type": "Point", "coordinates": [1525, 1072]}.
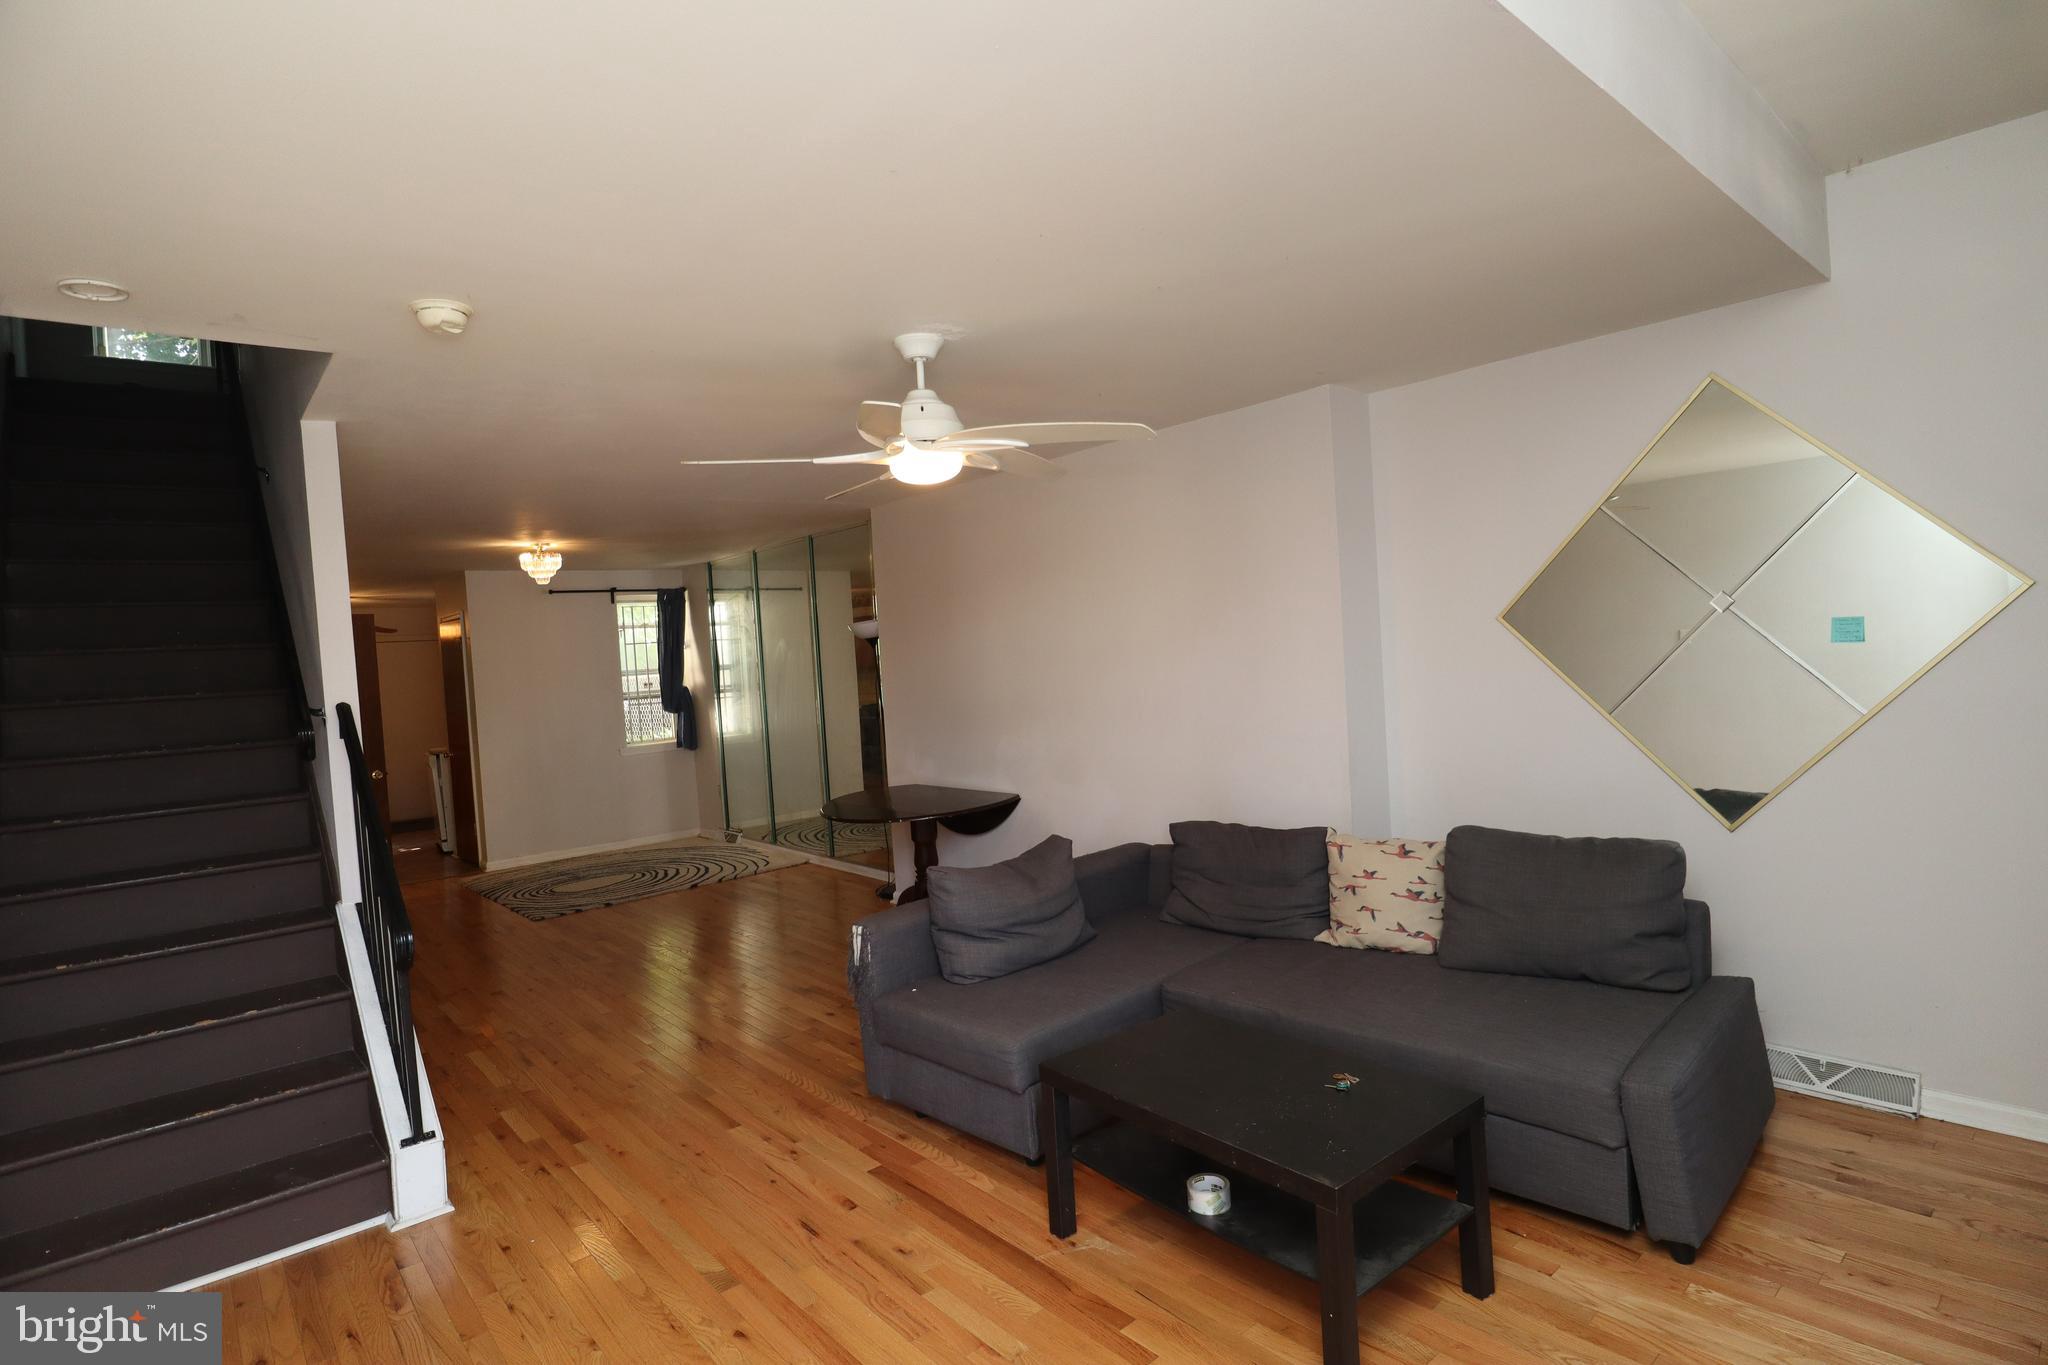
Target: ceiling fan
{"type": "Point", "coordinates": [922, 440]}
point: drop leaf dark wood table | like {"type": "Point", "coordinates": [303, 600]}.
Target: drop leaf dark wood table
{"type": "Point", "coordinates": [1311, 1169]}
{"type": "Point", "coordinates": [960, 809]}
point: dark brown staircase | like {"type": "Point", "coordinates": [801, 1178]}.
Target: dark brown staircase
{"type": "Point", "coordinates": [182, 1082]}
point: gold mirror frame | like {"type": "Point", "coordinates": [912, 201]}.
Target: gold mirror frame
{"type": "Point", "coordinates": [2024, 582]}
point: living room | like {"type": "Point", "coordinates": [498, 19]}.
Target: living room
{"type": "Point", "coordinates": [1253, 688]}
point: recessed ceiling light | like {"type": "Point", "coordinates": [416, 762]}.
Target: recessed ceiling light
{"type": "Point", "coordinates": [92, 291]}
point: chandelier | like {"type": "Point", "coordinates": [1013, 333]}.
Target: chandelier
{"type": "Point", "coordinates": [540, 563]}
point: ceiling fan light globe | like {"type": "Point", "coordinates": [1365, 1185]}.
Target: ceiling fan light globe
{"type": "Point", "coordinates": [917, 464]}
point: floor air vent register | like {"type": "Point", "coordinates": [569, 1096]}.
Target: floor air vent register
{"type": "Point", "coordinates": [1832, 1078]}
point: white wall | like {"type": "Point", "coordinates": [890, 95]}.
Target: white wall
{"type": "Point", "coordinates": [1155, 635]}
{"type": "Point", "coordinates": [302, 498]}
{"type": "Point", "coordinates": [1889, 903]}
{"type": "Point", "coordinates": [302, 501]}
{"type": "Point", "coordinates": [1359, 575]}
{"type": "Point", "coordinates": [555, 774]}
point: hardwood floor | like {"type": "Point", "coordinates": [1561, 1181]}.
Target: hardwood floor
{"type": "Point", "coordinates": [660, 1150]}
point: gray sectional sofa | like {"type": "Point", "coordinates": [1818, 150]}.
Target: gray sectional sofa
{"type": "Point", "coordinates": [1624, 1105]}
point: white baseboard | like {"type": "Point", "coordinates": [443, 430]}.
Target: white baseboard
{"type": "Point", "coordinates": [322, 1240]}
{"type": "Point", "coordinates": [1989, 1115]}
{"type": "Point", "coordinates": [555, 855]}
{"type": "Point", "coordinates": [429, 1216]}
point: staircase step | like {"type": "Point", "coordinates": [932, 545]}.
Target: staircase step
{"type": "Point", "coordinates": [182, 1086]}
{"type": "Point", "coordinates": [135, 580]}
{"type": "Point", "coordinates": [98, 784]}
{"type": "Point", "coordinates": [95, 541]}
{"type": "Point", "coordinates": [88, 626]}
{"type": "Point", "coordinates": [207, 1226]}
{"type": "Point", "coordinates": [84, 398]}
{"type": "Point", "coordinates": [93, 985]}
{"type": "Point", "coordinates": [52, 1077]}
{"type": "Point", "coordinates": [168, 428]}
{"type": "Point", "coordinates": [93, 1162]}
{"type": "Point", "coordinates": [157, 901]}
{"type": "Point", "coordinates": [148, 671]}
{"type": "Point", "coordinates": [45, 463]}
{"type": "Point", "coordinates": [61, 729]}
{"type": "Point", "coordinates": [39, 853]}
{"type": "Point", "coordinates": [69, 964]}
{"type": "Point", "coordinates": [109, 505]}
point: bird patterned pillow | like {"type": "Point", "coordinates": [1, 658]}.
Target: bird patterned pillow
{"type": "Point", "coordinates": [1385, 893]}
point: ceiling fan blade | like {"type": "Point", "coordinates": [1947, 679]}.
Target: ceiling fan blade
{"type": "Point", "coordinates": [868, 483]}
{"type": "Point", "coordinates": [879, 423]}
{"type": "Point", "coordinates": [1027, 462]}
{"type": "Point", "coordinates": [859, 457]}
{"type": "Point", "coordinates": [1052, 433]}
{"type": "Point", "coordinates": [979, 443]}
{"type": "Point", "coordinates": [1011, 460]}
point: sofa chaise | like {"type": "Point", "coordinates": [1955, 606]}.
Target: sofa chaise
{"type": "Point", "coordinates": [1623, 1105]}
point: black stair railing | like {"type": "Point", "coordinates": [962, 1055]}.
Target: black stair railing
{"type": "Point", "coordinates": [387, 929]}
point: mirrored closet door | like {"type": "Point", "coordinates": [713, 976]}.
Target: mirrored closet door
{"type": "Point", "coordinates": [796, 642]}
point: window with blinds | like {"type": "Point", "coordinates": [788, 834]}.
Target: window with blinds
{"type": "Point", "coordinates": [640, 671]}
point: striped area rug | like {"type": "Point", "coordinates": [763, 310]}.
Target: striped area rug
{"type": "Point", "coordinates": [551, 890]}
{"type": "Point", "coordinates": [812, 836]}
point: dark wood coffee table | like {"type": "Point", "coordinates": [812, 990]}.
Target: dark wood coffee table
{"type": "Point", "coordinates": [1311, 1169]}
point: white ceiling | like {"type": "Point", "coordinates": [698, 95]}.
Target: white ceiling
{"type": "Point", "coordinates": [689, 230]}
{"type": "Point", "coordinates": [1861, 79]}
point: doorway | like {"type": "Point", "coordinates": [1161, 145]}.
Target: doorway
{"type": "Point", "coordinates": [402, 710]}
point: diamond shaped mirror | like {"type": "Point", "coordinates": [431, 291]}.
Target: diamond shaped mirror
{"type": "Point", "coordinates": [1744, 598]}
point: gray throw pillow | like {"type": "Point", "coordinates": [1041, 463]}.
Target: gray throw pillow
{"type": "Point", "coordinates": [1243, 879]}
{"type": "Point", "coordinates": [1606, 910]}
{"type": "Point", "coordinates": [990, 921]}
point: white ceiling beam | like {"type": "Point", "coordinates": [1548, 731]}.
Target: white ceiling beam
{"type": "Point", "coordinates": [1655, 60]}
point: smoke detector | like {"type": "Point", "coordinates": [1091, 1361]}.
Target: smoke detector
{"type": "Point", "coordinates": [92, 291]}
{"type": "Point", "coordinates": [441, 315]}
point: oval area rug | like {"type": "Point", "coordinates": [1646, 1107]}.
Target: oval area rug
{"type": "Point", "coordinates": [550, 890]}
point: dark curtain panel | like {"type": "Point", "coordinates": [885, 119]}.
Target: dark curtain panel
{"type": "Point", "coordinates": [670, 606]}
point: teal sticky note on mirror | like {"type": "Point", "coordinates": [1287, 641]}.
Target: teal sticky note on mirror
{"type": "Point", "coordinates": [1845, 630]}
